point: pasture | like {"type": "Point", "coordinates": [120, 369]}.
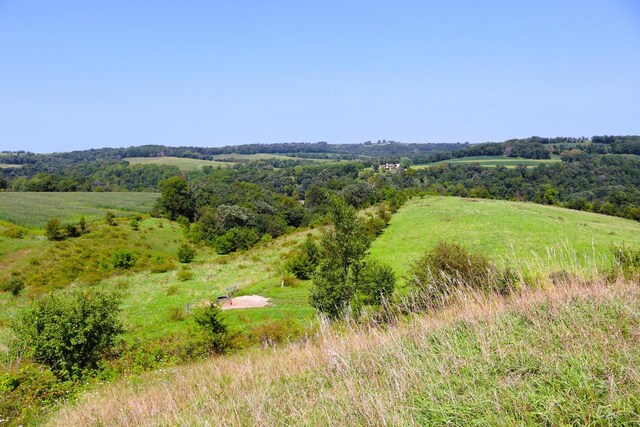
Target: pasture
{"type": "Point", "coordinates": [502, 230]}
{"type": "Point", "coordinates": [493, 161]}
{"type": "Point", "coordinates": [35, 209]}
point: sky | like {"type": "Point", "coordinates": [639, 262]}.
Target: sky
{"type": "Point", "coordinates": [89, 74]}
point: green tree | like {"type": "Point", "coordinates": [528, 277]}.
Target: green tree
{"type": "Point", "coordinates": [186, 253]}
{"type": "Point", "coordinates": [343, 278]}
{"type": "Point", "coordinates": [175, 198]}
{"type": "Point", "coordinates": [71, 331]}
{"type": "Point", "coordinates": [209, 319]}
{"type": "Point", "coordinates": [53, 229]}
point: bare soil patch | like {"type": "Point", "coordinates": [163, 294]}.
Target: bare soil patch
{"type": "Point", "coordinates": [246, 301]}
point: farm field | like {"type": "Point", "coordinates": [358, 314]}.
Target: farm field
{"type": "Point", "coordinates": [183, 163]}
{"type": "Point", "coordinates": [501, 230]}
{"type": "Point", "coordinates": [35, 209]}
{"type": "Point", "coordinates": [264, 156]}
{"type": "Point", "coordinates": [493, 161]}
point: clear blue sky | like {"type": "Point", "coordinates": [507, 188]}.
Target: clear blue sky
{"type": "Point", "coordinates": [86, 74]}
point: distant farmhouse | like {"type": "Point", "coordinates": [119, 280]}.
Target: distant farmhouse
{"type": "Point", "coordinates": [390, 166]}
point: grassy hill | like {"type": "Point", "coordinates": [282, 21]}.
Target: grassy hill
{"type": "Point", "coordinates": [502, 230]}
{"type": "Point", "coordinates": [34, 209]}
{"type": "Point", "coordinates": [566, 355]}
{"type": "Point", "coordinates": [183, 163]}
{"type": "Point", "coordinates": [494, 161]}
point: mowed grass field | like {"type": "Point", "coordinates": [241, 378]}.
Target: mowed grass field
{"type": "Point", "coordinates": [182, 163]}
{"type": "Point", "coordinates": [35, 209]}
{"type": "Point", "coordinates": [502, 230]}
{"type": "Point", "coordinates": [493, 161]}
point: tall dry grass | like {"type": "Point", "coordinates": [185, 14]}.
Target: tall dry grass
{"type": "Point", "coordinates": [566, 352]}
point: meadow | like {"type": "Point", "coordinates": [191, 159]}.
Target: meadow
{"type": "Point", "coordinates": [563, 355]}
{"type": "Point", "coordinates": [493, 161]}
{"type": "Point", "coordinates": [182, 163]}
{"type": "Point", "coordinates": [35, 209]}
{"type": "Point", "coordinates": [547, 237]}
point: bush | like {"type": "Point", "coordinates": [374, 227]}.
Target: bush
{"type": "Point", "coordinates": [209, 320]}
{"type": "Point", "coordinates": [376, 283]}
{"type": "Point", "coordinates": [14, 232]}
{"type": "Point", "coordinates": [15, 285]}
{"type": "Point", "coordinates": [304, 260]}
{"type": "Point", "coordinates": [447, 267]}
{"type": "Point", "coordinates": [110, 218]}
{"type": "Point", "coordinates": [162, 266]}
{"type": "Point", "coordinates": [176, 314]}
{"type": "Point", "coordinates": [53, 230]}
{"type": "Point", "coordinates": [70, 332]}
{"type": "Point", "coordinates": [124, 258]}
{"type": "Point", "coordinates": [186, 253]}
{"type": "Point", "coordinates": [184, 275]}
{"type": "Point", "coordinates": [627, 261]}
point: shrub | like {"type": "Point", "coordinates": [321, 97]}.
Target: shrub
{"type": "Point", "coordinates": [186, 253]}
{"type": "Point", "coordinates": [110, 218]}
{"type": "Point", "coordinates": [14, 232]}
{"type": "Point", "coordinates": [176, 314]}
{"type": "Point", "coordinates": [376, 283]}
{"type": "Point", "coordinates": [53, 230]}
{"type": "Point", "coordinates": [124, 258]}
{"type": "Point", "coordinates": [209, 319]}
{"type": "Point", "coordinates": [70, 332]}
{"type": "Point", "coordinates": [304, 260]}
{"type": "Point", "coordinates": [15, 285]}
{"type": "Point", "coordinates": [627, 261]}
{"type": "Point", "coordinates": [447, 267]}
{"type": "Point", "coordinates": [184, 275]}
{"type": "Point", "coordinates": [162, 267]}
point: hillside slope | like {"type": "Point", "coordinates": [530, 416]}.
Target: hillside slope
{"type": "Point", "coordinates": [547, 236]}
{"type": "Point", "coordinates": [564, 355]}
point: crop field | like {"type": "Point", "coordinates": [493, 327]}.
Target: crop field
{"type": "Point", "coordinates": [265, 156]}
{"type": "Point", "coordinates": [34, 209]}
{"type": "Point", "coordinates": [182, 163]}
{"type": "Point", "coordinates": [551, 236]}
{"type": "Point", "coordinates": [494, 161]}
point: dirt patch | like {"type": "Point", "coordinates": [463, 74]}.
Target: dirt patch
{"type": "Point", "coordinates": [247, 301]}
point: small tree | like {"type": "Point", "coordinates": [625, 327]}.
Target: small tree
{"type": "Point", "coordinates": [110, 218]}
{"type": "Point", "coordinates": [53, 229]}
{"type": "Point", "coordinates": [209, 320]}
{"type": "Point", "coordinates": [186, 253]}
{"type": "Point", "coordinates": [343, 278]}
{"type": "Point", "coordinates": [124, 258]}
{"type": "Point", "coordinates": [70, 332]}
{"type": "Point", "coordinates": [15, 285]}
{"type": "Point", "coordinates": [304, 260]}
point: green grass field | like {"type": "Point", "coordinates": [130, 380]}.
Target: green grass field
{"type": "Point", "coordinates": [148, 299]}
{"type": "Point", "coordinates": [265, 156]}
{"type": "Point", "coordinates": [182, 163]}
{"type": "Point", "coordinates": [34, 209]}
{"type": "Point", "coordinates": [493, 161]}
{"type": "Point", "coordinates": [500, 230]}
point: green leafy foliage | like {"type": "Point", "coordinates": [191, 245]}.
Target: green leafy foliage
{"type": "Point", "coordinates": [14, 285]}
{"type": "Point", "coordinates": [304, 260]}
{"type": "Point", "coordinates": [209, 319]}
{"type": "Point", "coordinates": [124, 259]}
{"type": "Point", "coordinates": [186, 253]}
{"type": "Point", "coordinates": [69, 332]}
{"type": "Point", "coordinates": [343, 279]}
